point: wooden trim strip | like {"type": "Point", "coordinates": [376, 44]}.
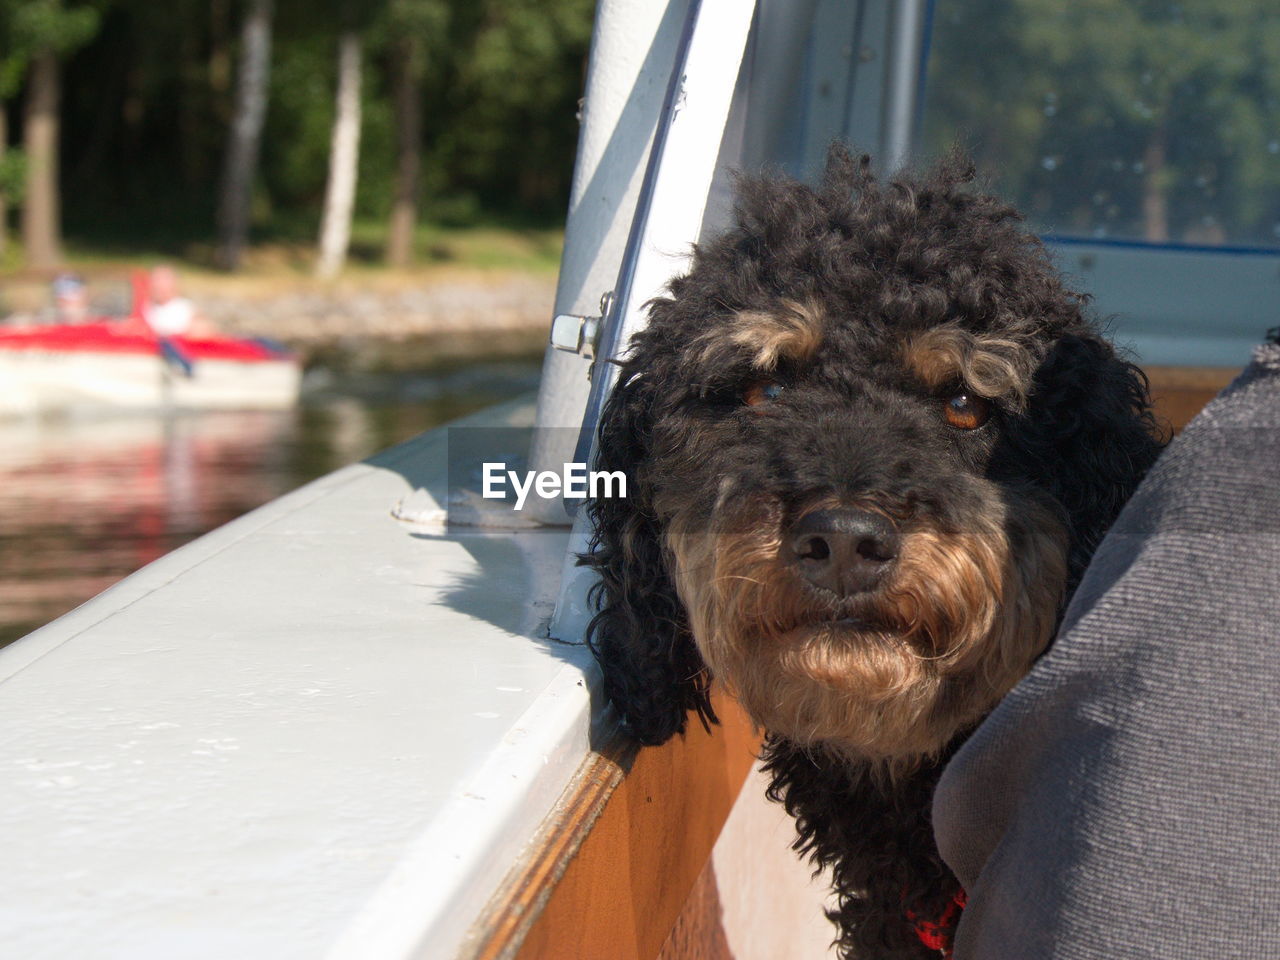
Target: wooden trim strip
{"type": "Point", "coordinates": [522, 897]}
{"type": "Point", "coordinates": [1179, 393]}
{"type": "Point", "coordinates": [609, 871]}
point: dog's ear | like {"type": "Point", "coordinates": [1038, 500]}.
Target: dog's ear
{"type": "Point", "coordinates": [1093, 413]}
{"type": "Point", "coordinates": [653, 673]}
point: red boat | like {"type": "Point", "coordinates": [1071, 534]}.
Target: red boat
{"type": "Point", "coordinates": [122, 364]}
{"type": "Point", "coordinates": [108, 364]}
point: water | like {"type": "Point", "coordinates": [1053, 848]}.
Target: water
{"type": "Point", "coordinates": [85, 502]}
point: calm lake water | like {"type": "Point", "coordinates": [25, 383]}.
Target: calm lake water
{"type": "Point", "coordinates": [85, 502]}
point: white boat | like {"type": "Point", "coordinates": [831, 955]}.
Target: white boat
{"type": "Point", "coordinates": [323, 732]}
{"type": "Point", "coordinates": [107, 365]}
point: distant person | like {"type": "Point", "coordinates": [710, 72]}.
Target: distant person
{"type": "Point", "coordinates": [70, 299]}
{"type": "Point", "coordinates": [171, 315]}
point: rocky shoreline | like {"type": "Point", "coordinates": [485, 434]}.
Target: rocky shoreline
{"type": "Point", "coordinates": [307, 316]}
{"type": "Point", "coordinates": [365, 320]}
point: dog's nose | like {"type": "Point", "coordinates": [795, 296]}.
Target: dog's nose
{"type": "Point", "coordinates": [843, 550]}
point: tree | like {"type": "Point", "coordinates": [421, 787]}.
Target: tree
{"type": "Point", "coordinates": [1151, 120]}
{"type": "Point", "coordinates": [408, 113]}
{"type": "Point", "coordinates": [12, 67]}
{"type": "Point", "coordinates": [415, 26]}
{"type": "Point", "coordinates": [4, 187]}
{"type": "Point", "coordinates": [158, 111]}
{"type": "Point", "coordinates": [519, 80]}
{"type": "Point", "coordinates": [344, 159]}
{"type": "Point", "coordinates": [11, 175]}
{"type": "Point", "coordinates": [246, 133]}
{"type": "Point", "coordinates": [41, 235]}
{"type": "Point", "coordinates": [41, 33]}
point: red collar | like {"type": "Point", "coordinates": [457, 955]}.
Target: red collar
{"type": "Point", "coordinates": [938, 934]}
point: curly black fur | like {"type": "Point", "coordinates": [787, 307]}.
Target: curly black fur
{"type": "Point", "coordinates": [883, 260]}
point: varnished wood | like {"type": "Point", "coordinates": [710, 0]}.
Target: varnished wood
{"type": "Point", "coordinates": [614, 866]}
{"type": "Point", "coordinates": [620, 897]}
{"type": "Point", "coordinates": [524, 894]}
{"type": "Point", "coordinates": [699, 932]}
{"type": "Point", "coordinates": [1179, 393]}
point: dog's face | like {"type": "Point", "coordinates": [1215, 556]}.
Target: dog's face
{"type": "Point", "coordinates": [863, 562]}
{"type": "Point", "coordinates": [853, 432]}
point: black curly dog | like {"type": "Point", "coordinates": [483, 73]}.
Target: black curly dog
{"type": "Point", "coordinates": [872, 442]}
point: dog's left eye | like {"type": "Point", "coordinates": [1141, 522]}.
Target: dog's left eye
{"type": "Point", "coordinates": [764, 391]}
{"type": "Point", "coordinates": [966, 412]}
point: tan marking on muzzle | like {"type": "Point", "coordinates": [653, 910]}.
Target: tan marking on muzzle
{"type": "Point", "coordinates": [962, 620]}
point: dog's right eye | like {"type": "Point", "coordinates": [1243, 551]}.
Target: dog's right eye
{"type": "Point", "coordinates": [966, 411]}
{"type": "Point", "coordinates": [761, 392]}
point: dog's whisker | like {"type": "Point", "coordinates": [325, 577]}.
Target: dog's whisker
{"type": "Point", "coordinates": [727, 577]}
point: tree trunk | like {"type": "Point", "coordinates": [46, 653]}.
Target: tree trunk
{"type": "Point", "coordinates": [1155, 205]}
{"type": "Point", "coordinates": [4, 201]}
{"type": "Point", "coordinates": [40, 216]}
{"type": "Point", "coordinates": [344, 158]}
{"type": "Point", "coordinates": [246, 134]}
{"type": "Point", "coordinates": [408, 112]}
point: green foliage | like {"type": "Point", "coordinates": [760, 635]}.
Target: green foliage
{"type": "Point", "coordinates": [30, 26]}
{"type": "Point", "coordinates": [295, 149]}
{"type": "Point", "coordinates": [377, 150]}
{"type": "Point", "coordinates": [49, 25]}
{"type": "Point", "coordinates": [1105, 115]}
{"type": "Point", "coordinates": [425, 20]}
{"type": "Point", "coordinates": [13, 175]}
{"type": "Point", "coordinates": [1099, 116]}
{"type": "Point", "coordinates": [518, 85]}
{"type": "Point", "coordinates": [147, 102]}
{"type": "Point", "coordinates": [501, 80]}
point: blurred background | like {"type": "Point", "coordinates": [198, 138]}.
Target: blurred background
{"type": "Point", "coordinates": [378, 187]}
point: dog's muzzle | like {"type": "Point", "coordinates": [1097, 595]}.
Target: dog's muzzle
{"type": "Point", "coordinates": [842, 550]}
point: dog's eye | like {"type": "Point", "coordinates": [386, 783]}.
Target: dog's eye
{"type": "Point", "coordinates": [764, 391]}
{"type": "Point", "coordinates": [966, 412]}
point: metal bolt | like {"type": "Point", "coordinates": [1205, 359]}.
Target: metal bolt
{"type": "Point", "coordinates": [590, 335]}
{"type": "Point", "coordinates": [566, 332]}
{"type": "Point", "coordinates": [574, 334]}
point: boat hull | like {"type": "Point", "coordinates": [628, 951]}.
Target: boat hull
{"type": "Point", "coordinates": [105, 369]}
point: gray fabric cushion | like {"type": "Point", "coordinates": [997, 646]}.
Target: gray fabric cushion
{"type": "Point", "coordinates": [1124, 800]}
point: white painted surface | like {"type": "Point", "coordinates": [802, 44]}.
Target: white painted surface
{"type": "Point", "coordinates": [772, 906]}
{"type": "Point", "coordinates": [682, 174]}
{"type": "Point", "coordinates": [633, 48]}
{"type": "Point", "coordinates": [313, 731]}
{"type": "Point", "coordinates": [687, 162]}
{"type": "Point", "coordinates": [33, 381]}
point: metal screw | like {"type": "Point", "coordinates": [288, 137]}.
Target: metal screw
{"type": "Point", "coordinates": [566, 332]}
{"type": "Point", "coordinates": [574, 334]}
